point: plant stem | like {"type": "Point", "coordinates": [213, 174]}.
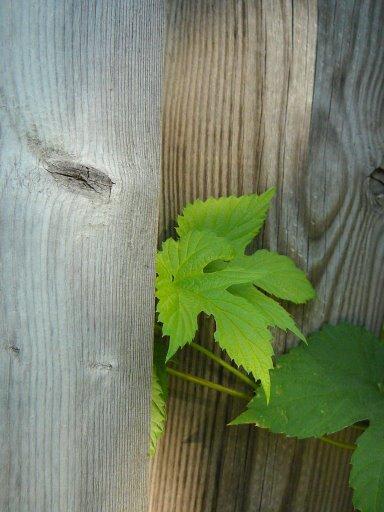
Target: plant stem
{"type": "Point", "coordinates": [339, 444]}
{"type": "Point", "coordinates": [224, 364]}
{"type": "Point", "coordinates": [240, 375]}
{"type": "Point", "coordinates": [207, 383]}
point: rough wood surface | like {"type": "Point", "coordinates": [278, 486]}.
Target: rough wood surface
{"type": "Point", "coordinates": [80, 110]}
{"type": "Point", "coordinates": [239, 117]}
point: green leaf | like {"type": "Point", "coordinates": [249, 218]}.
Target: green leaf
{"type": "Point", "coordinates": [318, 389]}
{"type": "Point", "coordinates": [276, 274]}
{"type": "Point", "coordinates": [237, 219]}
{"type": "Point", "coordinates": [158, 416]}
{"type": "Point", "coordinates": [321, 388]}
{"type": "Point", "coordinates": [178, 304]}
{"type": "Point", "coordinates": [367, 474]}
{"type": "Point", "coordinates": [197, 274]}
{"type": "Point", "coordinates": [182, 296]}
{"type": "Point", "coordinates": [273, 314]}
{"type": "Point", "coordinates": [242, 333]}
{"type": "Point", "coordinates": [159, 395]}
{"type": "Point", "coordinates": [272, 272]}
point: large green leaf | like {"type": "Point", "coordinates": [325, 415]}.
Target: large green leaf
{"type": "Point", "coordinates": [323, 387]}
{"type": "Point", "coordinates": [318, 389]}
{"type": "Point", "coordinates": [182, 296]}
{"type": "Point", "coordinates": [159, 395]}
{"type": "Point", "coordinates": [237, 219]}
{"type": "Point", "coordinates": [198, 273]}
{"type": "Point", "coordinates": [367, 475]}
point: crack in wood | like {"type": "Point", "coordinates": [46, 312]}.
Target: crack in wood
{"type": "Point", "coordinates": [101, 366]}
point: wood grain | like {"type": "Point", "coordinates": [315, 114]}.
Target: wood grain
{"type": "Point", "coordinates": [80, 110]}
{"type": "Point", "coordinates": [288, 94]}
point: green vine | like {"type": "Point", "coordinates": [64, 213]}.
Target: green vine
{"type": "Point", "coordinates": [332, 380]}
{"type": "Point", "coordinates": [208, 384]}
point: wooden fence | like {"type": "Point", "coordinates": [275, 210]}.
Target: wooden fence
{"type": "Point", "coordinates": [256, 93]}
{"type": "Point", "coordinates": [285, 93]}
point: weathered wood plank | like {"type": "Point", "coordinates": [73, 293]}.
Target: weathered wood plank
{"type": "Point", "coordinates": [80, 85]}
{"type": "Point", "coordinates": [240, 80]}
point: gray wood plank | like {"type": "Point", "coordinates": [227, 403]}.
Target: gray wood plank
{"type": "Point", "coordinates": [80, 111]}
{"type": "Point", "coordinates": [287, 94]}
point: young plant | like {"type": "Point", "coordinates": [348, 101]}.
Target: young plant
{"type": "Point", "coordinates": [319, 388]}
{"type": "Point", "coordinates": [207, 270]}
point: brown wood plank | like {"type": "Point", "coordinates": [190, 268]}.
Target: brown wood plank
{"type": "Point", "coordinates": [80, 172]}
{"type": "Point", "coordinates": [239, 117]}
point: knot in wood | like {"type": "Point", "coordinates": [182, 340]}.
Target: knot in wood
{"type": "Point", "coordinates": [376, 189]}
{"type": "Point", "coordinates": [82, 179]}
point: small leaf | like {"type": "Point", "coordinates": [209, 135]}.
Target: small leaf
{"type": "Point", "coordinates": [180, 267]}
{"type": "Point", "coordinates": [323, 387]}
{"type": "Point", "coordinates": [242, 333]}
{"type": "Point", "coordinates": [159, 395]}
{"type": "Point", "coordinates": [274, 315]}
{"type": "Point", "coordinates": [367, 474]}
{"type": "Point", "coordinates": [237, 219]}
{"type": "Point", "coordinates": [276, 274]}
